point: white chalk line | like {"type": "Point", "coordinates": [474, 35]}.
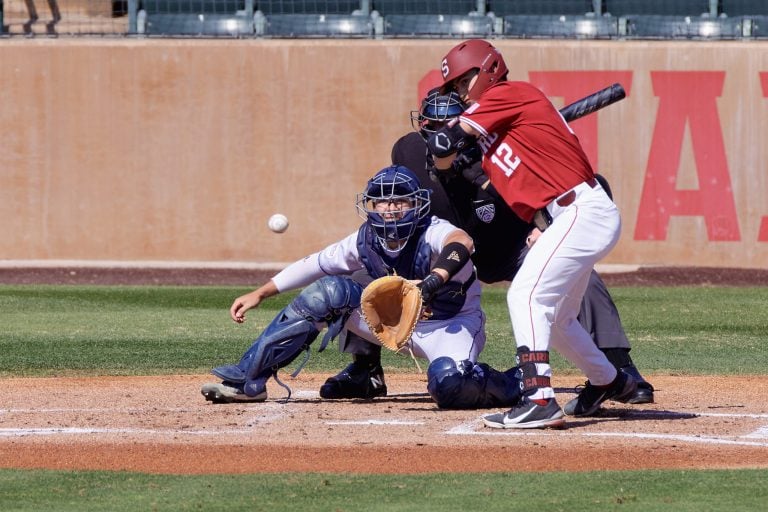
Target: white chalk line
{"type": "Point", "coordinates": [476, 428]}
{"type": "Point", "coordinates": [375, 422]}
{"type": "Point", "coordinates": [24, 432]}
{"type": "Point", "coordinates": [278, 411]}
{"type": "Point", "coordinates": [471, 429]}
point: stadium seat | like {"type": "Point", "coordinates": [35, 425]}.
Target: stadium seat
{"type": "Point", "coordinates": [758, 26]}
{"type": "Point", "coordinates": [232, 18]}
{"type": "Point", "coordinates": [317, 25]}
{"type": "Point", "coordinates": [401, 7]}
{"type": "Point", "coordinates": [553, 26]}
{"type": "Point", "coordinates": [198, 25]}
{"type": "Point", "coordinates": [193, 6]}
{"type": "Point", "coordinates": [660, 7]}
{"type": "Point", "coordinates": [437, 25]}
{"type": "Point", "coordinates": [744, 7]}
{"type": "Point", "coordinates": [270, 7]}
{"type": "Point", "coordinates": [503, 8]}
{"type": "Point", "coordinates": [683, 27]}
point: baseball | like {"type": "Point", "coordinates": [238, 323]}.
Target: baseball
{"type": "Point", "coordinates": [278, 223]}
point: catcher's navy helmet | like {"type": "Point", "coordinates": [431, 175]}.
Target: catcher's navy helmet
{"type": "Point", "coordinates": [436, 108]}
{"type": "Point", "coordinates": [392, 185]}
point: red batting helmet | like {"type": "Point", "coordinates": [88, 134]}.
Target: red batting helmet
{"type": "Point", "coordinates": [474, 54]}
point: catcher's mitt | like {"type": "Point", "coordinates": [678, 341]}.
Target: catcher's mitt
{"type": "Point", "coordinates": [391, 306]}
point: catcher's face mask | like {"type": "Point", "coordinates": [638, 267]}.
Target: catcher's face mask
{"type": "Point", "coordinates": [394, 205]}
{"type": "Point", "coordinates": [436, 110]}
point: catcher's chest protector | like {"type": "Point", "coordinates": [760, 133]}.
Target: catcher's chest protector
{"type": "Point", "coordinates": [413, 261]}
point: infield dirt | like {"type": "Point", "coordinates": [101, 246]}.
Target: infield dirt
{"type": "Point", "coordinates": [163, 424]}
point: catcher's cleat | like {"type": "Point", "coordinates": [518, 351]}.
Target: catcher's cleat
{"type": "Point", "coordinates": [228, 392]}
{"type": "Point", "coordinates": [644, 392]}
{"type": "Point", "coordinates": [358, 380]}
{"type": "Point", "coordinates": [590, 397]}
{"type": "Point", "coordinates": [528, 414]}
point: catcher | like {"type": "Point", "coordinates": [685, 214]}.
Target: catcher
{"type": "Point", "coordinates": [399, 237]}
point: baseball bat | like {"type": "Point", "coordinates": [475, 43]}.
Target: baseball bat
{"type": "Point", "coordinates": [593, 102]}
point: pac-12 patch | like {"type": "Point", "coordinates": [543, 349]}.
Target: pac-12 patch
{"type": "Point", "coordinates": [486, 213]}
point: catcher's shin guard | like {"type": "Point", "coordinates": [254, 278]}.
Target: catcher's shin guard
{"type": "Point", "coordinates": [465, 385]}
{"type": "Point", "coordinates": [328, 300]}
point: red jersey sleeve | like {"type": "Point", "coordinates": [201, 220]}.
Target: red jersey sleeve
{"type": "Point", "coordinates": [529, 151]}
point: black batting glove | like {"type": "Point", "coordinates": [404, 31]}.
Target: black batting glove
{"type": "Point", "coordinates": [429, 287]}
{"type": "Point", "coordinates": [466, 159]}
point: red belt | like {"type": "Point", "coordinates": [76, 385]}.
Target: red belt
{"type": "Point", "coordinates": [569, 197]}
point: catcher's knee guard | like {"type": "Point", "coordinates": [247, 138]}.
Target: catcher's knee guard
{"type": "Point", "coordinates": [465, 385]}
{"type": "Point", "coordinates": [329, 300]}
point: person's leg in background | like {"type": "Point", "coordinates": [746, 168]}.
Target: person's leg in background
{"type": "Point", "coordinates": [600, 318]}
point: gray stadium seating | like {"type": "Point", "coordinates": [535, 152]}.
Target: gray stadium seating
{"type": "Point", "coordinates": [758, 26]}
{"type": "Point", "coordinates": [192, 6]}
{"type": "Point", "coordinates": [529, 7]}
{"type": "Point", "coordinates": [317, 25]}
{"type": "Point", "coordinates": [437, 25]}
{"type": "Point", "coordinates": [198, 25]}
{"type": "Point", "coordinates": [233, 18]}
{"type": "Point", "coordinates": [683, 27]}
{"type": "Point", "coordinates": [744, 7]}
{"type": "Point", "coordinates": [659, 7]}
{"type": "Point", "coordinates": [270, 7]}
{"type": "Point", "coordinates": [553, 26]}
{"type": "Point", "coordinates": [399, 7]}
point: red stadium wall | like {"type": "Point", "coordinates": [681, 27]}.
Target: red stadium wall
{"type": "Point", "coordinates": [181, 150]}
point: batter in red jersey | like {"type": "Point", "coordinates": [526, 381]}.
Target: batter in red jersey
{"type": "Point", "coordinates": [536, 163]}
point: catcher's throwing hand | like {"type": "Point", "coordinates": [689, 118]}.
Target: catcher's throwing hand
{"type": "Point", "coordinates": [251, 300]}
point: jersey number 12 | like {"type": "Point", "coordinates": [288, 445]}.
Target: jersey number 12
{"type": "Point", "coordinates": [505, 159]}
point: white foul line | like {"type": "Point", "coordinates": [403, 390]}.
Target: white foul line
{"type": "Point", "coordinates": [23, 432]}
{"type": "Point", "coordinates": [470, 429]}
{"type": "Point", "coordinates": [279, 411]}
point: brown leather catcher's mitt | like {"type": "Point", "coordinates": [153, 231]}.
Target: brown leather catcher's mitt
{"type": "Point", "coordinates": [391, 306]}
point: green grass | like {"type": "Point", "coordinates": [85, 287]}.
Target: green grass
{"type": "Point", "coordinates": [66, 330]}
{"type": "Point", "coordinates": [62, 330]}
{"type": "Point", "coordinates": [734, 491]}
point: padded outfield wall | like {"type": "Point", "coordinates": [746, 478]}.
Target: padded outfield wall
{"type": "Point", "coordinates": [176, 150]}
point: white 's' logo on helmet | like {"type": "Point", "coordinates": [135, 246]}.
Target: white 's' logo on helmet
{"type": "Point", "coordinates": [444, 68]}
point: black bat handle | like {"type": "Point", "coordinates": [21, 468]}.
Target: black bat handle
{"type": "Point", "coordinates": [593, 102]}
